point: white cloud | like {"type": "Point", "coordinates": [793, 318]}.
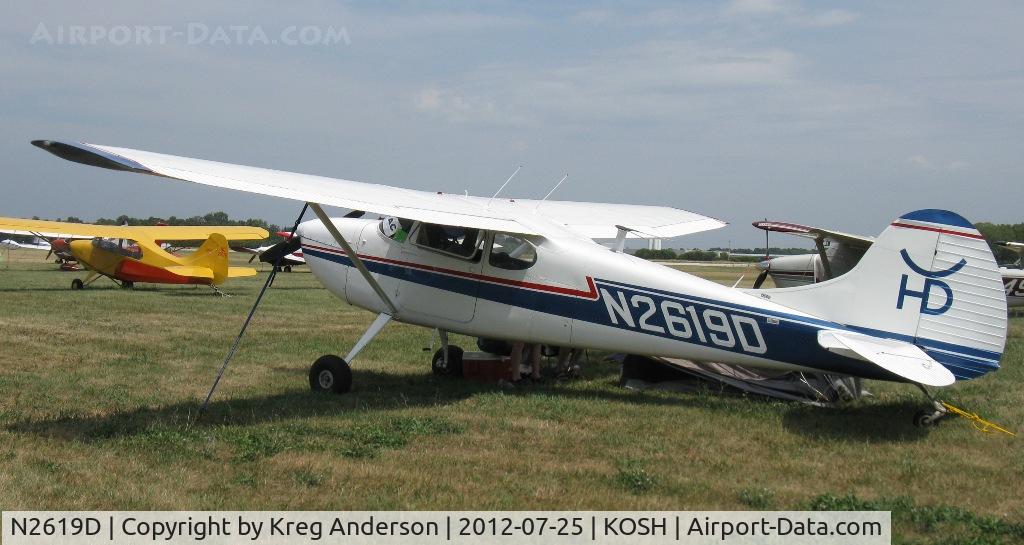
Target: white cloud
{"type": "Point", "coordinates": [832, 17]}
{"type": "Point", "coordinates": [788, 12]}
{"type": "Point", "coordinates": [755, 7]}
{"type": "Point", "coordinates": [924, 163]}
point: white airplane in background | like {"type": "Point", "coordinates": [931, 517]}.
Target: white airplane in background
{"type": "Point", "coordinates": [285, 262]}
{"type": "Point", "coordinates": [43, 241]}
{"type": "Point", "coordinates": [1013, 277]}
{"type": "Point", "coordinates": [34, 245]}
{"type": "Point", "coordinates": [923, 306]}
{"type": "Point", "coordinates": [839, 252]}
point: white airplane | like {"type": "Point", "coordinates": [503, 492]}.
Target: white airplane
{"type": "Point", "coordinates": [1013, 277]}
{"type": "Point", "coordinates": [924, 305]}
{"type": "Point", "coordinates": [43, 241]}
{"type": "Point", "coordinates": [15, 245]}
{"type": "Point", "coordinates": [285, 262]}
{"type": "Point", "coordinates": [839, 252]}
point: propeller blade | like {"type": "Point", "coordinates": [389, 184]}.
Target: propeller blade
{"type": "Point", "coordinates": [760, 279]}
{"type": "Point", "coordinates": [278, 251]}
{"type": "Point", "coordinates": [254, 256]}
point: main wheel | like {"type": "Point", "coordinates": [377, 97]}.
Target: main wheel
{"type": "Point", "coordinates": [454, 367]}
{"type": "Point", "coordinates": [127, 285]}
{"type": "Point", "coordinates": [330, 374]}
{"type": "Point", "coordinates": [77, 284]}
{"type": "Point", "coordinates": [287, 268]}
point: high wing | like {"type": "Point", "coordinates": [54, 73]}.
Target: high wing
{"type": "Point", "coordinates": [58, 229]}
{"type": "Point", "coordinates": [856, 241]}
{"type": "Point", "coordinates": [509, 215]}
{"type": "Point", "coordinates": [1015, 246]}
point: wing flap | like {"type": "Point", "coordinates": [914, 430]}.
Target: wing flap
{"type": "Point", "coordinates": [898, 357]}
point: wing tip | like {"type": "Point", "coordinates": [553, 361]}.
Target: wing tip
{"type": "Point", "coordinates": [80, 152]}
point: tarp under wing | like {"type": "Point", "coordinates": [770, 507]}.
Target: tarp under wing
{"type": "Point", "coordinates": [642, 372]}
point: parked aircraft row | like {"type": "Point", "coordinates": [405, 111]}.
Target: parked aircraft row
{"type": "Point", "coordinates": [838, 253]}
{"type": "Point", "coordinates": [129, 254]}
{"type": "Point", "coordinates": [923, 304]}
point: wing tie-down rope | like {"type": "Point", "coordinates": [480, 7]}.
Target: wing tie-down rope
{"type": "Point", "coordinates": [245, 325]}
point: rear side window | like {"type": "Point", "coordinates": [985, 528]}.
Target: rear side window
{"type": "Point", "coordinates": [512, 252]}
{"type": "Point", "coordinates": [450, 239]}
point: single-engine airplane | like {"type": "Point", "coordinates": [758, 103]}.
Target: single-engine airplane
{"type": "Point", "coordinates": [129, 254]}
{"type": "Point", "coordinates": [839, 252]}
{"type": "Point", "coordinates": [284, 262]}
{"type": "Point", "coordinates": [923, 306]}
{"type": "Point", "coordinates": [1013, 276]}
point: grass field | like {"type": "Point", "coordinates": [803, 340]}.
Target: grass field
{"type": "Point", "coordinates": [99, 391]}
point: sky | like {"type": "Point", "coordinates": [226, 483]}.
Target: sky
{"type": "Point", "coordinates": [840, 115]}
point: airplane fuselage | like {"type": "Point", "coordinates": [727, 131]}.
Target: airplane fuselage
{"type": "Point", "coordinates": [580, 295]}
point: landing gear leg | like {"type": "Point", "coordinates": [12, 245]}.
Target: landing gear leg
{"type": "Point", "coordinates": [929, 419]}
{"type": "Point", "coordinates": [78, 283]}
{"type": "Point", "coordinates": [448, 359]}
{"type": "Point", "coordinates": [333, 374]}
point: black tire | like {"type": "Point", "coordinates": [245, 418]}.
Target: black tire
{"type": "Point", "coordinates": [923, 419]}
{"type": "Point", "coordinates": [454, 368]}
{"type": "Point", "coordinates": [77, 284]}
{"type": "Point", "coordinates": [330, 374]}
{"type": "Point", "coordinates": [127, 285]}
{"type": "Point", "coordinates": [287, 268]}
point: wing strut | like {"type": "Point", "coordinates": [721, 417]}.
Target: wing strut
{"type": "Point", "coordinates": [354, 257]}
{"type": "Point", "coordinates": [819, 242]}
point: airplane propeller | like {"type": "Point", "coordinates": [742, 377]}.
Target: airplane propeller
{"type": "Point", "coordinates": [766, 263]}
{"type": "Point", "coordinates": [278, 251]}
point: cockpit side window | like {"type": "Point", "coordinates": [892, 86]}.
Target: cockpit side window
{"type": "Point", "coordinates": [512, 252]}
{"type": "Point", "coordinates": [125, 247]}
{"type": "Point", "coordinates": [450, 239]}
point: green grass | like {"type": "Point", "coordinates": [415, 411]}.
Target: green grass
{"type": "Point", "coordinates": [99, 393]}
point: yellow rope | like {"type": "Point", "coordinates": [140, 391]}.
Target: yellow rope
{"type": "Point", "coordinates": [978, 422]}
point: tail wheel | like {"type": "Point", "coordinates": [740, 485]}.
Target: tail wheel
{"type": "Point", "coordinates": [926, 419]}
{"type": "Point", "coordinates": [454, 366]}
{"type": "Point", "coordinates": [77, 284]}
{"type": "Point", "coordinates": [287, 268]}
{"type": "Point", "coordinates": [127, 285]}
{"type": "Point", "coordinates": [330, 374]}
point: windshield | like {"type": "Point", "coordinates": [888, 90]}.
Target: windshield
{"type": "Point", "coordinates": [120, 246]}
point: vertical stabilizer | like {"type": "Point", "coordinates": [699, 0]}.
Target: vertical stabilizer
{"type": "Point", "coordinates": [930, 279]}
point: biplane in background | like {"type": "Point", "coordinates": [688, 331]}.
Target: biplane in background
{"type": "Point", "coordinates": [924, 305]}
{"type": "Point", "coordinates": [839, 252]}
{"type": "Point", "coordinates": [130, 254]}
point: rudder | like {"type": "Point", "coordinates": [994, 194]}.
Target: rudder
{"type": "Point", "coordinates": [930, 279]}
{"type": "Point", "coordinates": [213, 254]}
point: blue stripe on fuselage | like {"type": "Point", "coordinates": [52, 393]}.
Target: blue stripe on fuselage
{"type": "Point", "coordinates": [792, 340]}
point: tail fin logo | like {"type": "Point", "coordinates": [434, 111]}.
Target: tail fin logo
{"type": "Point", "coordinates": [931, 280]}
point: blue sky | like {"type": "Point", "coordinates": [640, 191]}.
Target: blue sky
{"type": "Point", "coordinates": [840, 115]}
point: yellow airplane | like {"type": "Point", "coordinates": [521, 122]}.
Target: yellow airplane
{"type": "Point", "coordinates": [129, 254]}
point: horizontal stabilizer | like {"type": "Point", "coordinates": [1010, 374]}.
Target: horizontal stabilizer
{"type": "Point", "coordinates": [190, 271]}
{"type": "Point", "coordinates": [236, 272]}
{"type": "Point", "coordinates": [897, 357]}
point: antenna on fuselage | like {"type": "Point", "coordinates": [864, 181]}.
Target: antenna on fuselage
{"type": "Point", "coordinates": [504, 184]}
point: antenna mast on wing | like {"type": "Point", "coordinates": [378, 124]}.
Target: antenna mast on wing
{"type": "Point", "coordinates": [554, 188]}
{"type": "Point", "coordinates": [504, 184]}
